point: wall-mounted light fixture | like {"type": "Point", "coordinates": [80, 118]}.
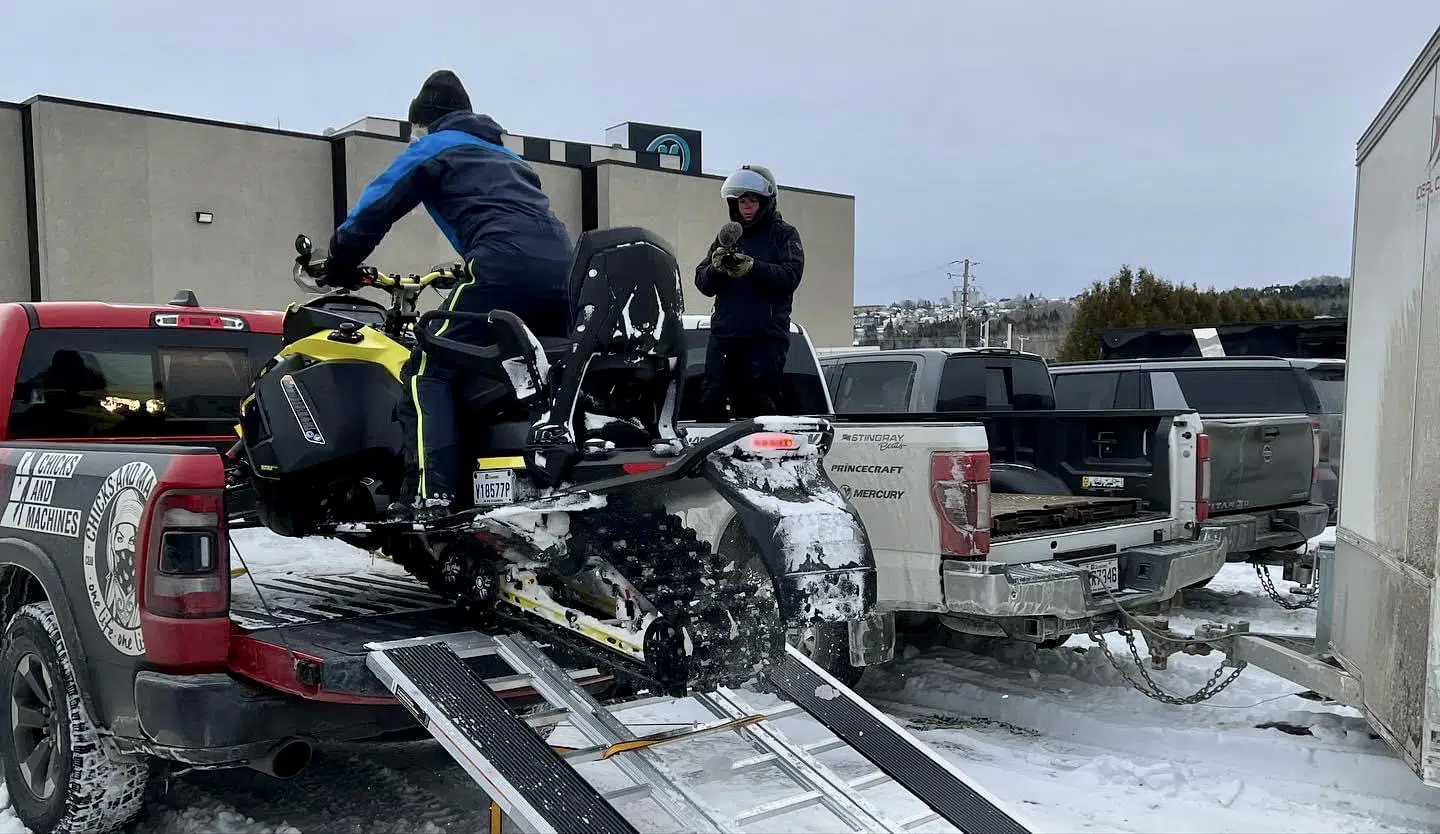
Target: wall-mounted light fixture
{"type": "Point", "coordinates": [204, 217]}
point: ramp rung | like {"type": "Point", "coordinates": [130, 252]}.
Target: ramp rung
{"type": "Point", "coordinates": [515, 766]}
{"type": "Point", "coordinates": [633, 791]}
{"type": "Point", "coordinates": [756, 762]}
{"type": "Point", "coordinates": [912, 823]}
{"type": "Point", "coordinates": [872, 734]}
{"type": "Point", "coordinates": [805, 800]}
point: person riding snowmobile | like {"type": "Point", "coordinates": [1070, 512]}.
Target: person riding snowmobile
{"type": "Point", "coordinates": [488, 202]}
{"type": "Point", "coordinates": [753, 283]}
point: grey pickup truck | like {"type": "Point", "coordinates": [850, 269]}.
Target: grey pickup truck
{"type": "Point", "coordinates": [1269, 448]}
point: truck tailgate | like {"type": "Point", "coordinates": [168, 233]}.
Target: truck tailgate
{"type": "Point", "coordinates": [1258, 462]}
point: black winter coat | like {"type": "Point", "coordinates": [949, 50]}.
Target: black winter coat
{"type": "Point", "coordinates": [757, 304]}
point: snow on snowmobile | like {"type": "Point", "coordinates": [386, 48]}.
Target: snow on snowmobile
{"type": "Point", "coordinates": [566, 533]}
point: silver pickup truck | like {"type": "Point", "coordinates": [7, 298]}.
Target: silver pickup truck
{"type": "Point", "coordinates": [1026, 524]}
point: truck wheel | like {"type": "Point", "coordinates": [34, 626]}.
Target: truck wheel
{"type": "Point", "coordinates": [828, 646]}
{"type": "Point", "coordinates": [60, 777]}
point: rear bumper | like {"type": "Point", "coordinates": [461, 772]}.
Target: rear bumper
{"type": "Point", "coordinates": [218, 719]}
{"type": "Point", "coordinates": [1148, 573]}
{"type": "Point", "coordinates": [1247, 534]}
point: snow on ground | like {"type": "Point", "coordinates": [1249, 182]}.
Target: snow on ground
{"type": "Point", "coordinates": [1058, 734]}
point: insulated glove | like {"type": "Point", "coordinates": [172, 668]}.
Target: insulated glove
{"type": "Point", "coordinates": [342, 276]}
{"type": "Point", "coordinates": [735, 264]}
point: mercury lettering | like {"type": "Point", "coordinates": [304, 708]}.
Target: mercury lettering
{"type": "Point", "coordinates": [882, 494]}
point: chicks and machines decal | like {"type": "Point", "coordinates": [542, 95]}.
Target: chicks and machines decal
{"type": "Point", "coordinates": [50, 494]}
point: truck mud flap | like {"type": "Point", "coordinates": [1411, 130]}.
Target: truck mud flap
{"type": "Point", "coordinates": [811, 539]}
{"type": "Point", "coordinates": [524, 768]}
{"type": "Point", "coordinates": [900, 757]}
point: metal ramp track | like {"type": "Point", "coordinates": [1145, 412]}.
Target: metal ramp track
{"type": "Point", "coordinates": [537, 787]}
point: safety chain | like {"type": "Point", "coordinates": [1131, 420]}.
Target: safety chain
{"type": "Point", "coordinates": [1306, 600]}
{"type": "Point", "coordinates": [1147, 686]}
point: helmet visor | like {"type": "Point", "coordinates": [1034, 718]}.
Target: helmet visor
{"type": "Point", "coordinates": [745, 181]}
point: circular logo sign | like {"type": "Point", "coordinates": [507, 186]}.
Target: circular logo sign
{"type": "Point", "coordinates": [112, 532]}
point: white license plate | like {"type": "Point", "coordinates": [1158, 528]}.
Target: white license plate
{"type": "Point", "coordinates": [494, 486]}
{"type": "Point", "coordinates": [1104, 574]}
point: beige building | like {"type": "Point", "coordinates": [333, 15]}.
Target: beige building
{"type": "Point", "coordinates": [117, 204]}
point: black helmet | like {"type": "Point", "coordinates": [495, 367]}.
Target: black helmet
{"type": "Point", "coordinates": [755, 181]}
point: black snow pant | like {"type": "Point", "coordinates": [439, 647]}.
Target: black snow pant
{"type": "Point", "coordinates": [745, 372]}
{"type": "Point", "coordinates": [532, 290]}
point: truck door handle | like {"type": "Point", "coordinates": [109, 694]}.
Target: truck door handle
{"type": "Point", "coordinates": [1270, 432]}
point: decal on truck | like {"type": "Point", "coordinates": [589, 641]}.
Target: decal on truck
{"type": "Point", "coordinates": [112, 530]}
{"type": "Point", "coordinates": [866, 469]}
{"type": "Point", "coordinates": [33, 490]}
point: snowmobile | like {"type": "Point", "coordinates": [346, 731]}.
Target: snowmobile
{"type": "Point", "coordinates": [566, 533]}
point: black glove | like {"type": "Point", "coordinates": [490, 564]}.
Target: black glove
{"type": "Point", "coordinates": [735, 264]}
{"type": "Point", "coordinates": [342, 275]}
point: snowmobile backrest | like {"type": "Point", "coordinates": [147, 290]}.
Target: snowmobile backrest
{"type": "Point", "coordinates": [626, 304]}
{"type": "Point", "coordinates": [625, 293]}
{"type": "Point", "coordinates": [515, 356]}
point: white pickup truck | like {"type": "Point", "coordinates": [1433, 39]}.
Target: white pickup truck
{"type": "Point", "coordinates": [1026, 524]}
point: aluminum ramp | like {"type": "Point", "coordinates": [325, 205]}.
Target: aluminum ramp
{"type": "Point", "coordinates": [538, 787]}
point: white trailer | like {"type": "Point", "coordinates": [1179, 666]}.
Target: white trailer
{"type": "Point", "coordinates": [1377, 641]}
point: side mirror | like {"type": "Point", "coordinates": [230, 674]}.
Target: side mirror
{"type": "Point", "coordinates": [303, 247]}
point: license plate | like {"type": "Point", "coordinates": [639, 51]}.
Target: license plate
{"type": "Point", "coordinates": [1104, 574]}
{"type": "Point", "coordinates": [494, 486]}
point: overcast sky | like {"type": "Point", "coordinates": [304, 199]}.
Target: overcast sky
{"type": "Point", "coordinates": [1051, 141]}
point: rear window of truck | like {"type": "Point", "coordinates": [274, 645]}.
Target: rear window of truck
{"type": "Point", "coordinates": [134, 384]}
{"type": "Point", "coordinates": [1232, 390]}
{"type": "Point", "coordinates": [802, 393]}
{"type": "Point", "coordinates": [1329, 386]}
{"type": "Point", "coordinates": [982, 382]}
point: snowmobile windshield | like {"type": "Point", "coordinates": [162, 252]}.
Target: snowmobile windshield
{"type": "Point", "coordinates": [743, 182]}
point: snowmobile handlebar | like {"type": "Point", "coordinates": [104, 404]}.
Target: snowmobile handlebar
{"type": "Point", "coordinates": [310, 275]}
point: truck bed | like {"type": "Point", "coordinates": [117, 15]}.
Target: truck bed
{"type": "Point", "coordinates": [304, 611]}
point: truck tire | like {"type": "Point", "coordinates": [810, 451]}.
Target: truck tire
{"type": "Point", "coordinates": [79, 786]}
{"type": "Point", "coordinates": [827, 645]}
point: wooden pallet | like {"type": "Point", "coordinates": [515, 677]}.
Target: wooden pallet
{"type": "Point", "coordinates": [1010, 514]}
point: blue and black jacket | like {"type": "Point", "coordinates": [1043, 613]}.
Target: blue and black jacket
{"type": "Point", "coordinates": [483, 196]}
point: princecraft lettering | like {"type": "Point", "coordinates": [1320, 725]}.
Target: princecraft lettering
{"type": "Point", "coordinates": [867, 469]}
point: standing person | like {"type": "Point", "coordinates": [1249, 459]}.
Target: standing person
{"type": "Point", "coordinates": [487, 200]}
{"type": "Point", "coordinates": [753, 282]}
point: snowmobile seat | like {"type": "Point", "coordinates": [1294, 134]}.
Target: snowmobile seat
{"type": "Point", "coordinates": [499, 374]}
{"type": "Point", "coordinates": [626, 305]}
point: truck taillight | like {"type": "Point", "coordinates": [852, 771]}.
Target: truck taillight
{"type": "Point", "coordinates": [1322, 436]}
{"type": "Point", "coordinates": [1318, 448]}
{"type": "Point", "coordinates": [187, 566]}
{"type": "Point", "coordinates": [1202, 477]}
{"type": "Point", "coordinates": [960, 493]}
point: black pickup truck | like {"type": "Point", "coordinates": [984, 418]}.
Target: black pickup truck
{"type": "Point", "coordinates": [132, 641]}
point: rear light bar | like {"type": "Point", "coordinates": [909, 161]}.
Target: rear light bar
{"type": "Point", "coordinates": [773, 444]}
{"type": "Point", "coordinates": [960, 494]}
{"type": "Point", "coordinates": [1315, 432]}
{"type": "Point", "coordinates": [1202, 477]}
{"type": "Point", "coordinates": [198, 321]}
{"type": "Point", "coordinates": [187, 569]}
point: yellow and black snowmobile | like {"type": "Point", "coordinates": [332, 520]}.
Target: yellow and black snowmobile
{"type": "Point", "coordinates": [568, 532]}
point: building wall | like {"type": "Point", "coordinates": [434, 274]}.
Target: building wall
{"type": "Point", "coordinates": [687, 211]}
{"type": "Point", "coordinates": [14, 230]}
{"type": "Point", "coordinates": [117, 190]}
{"type": "Point", "coordinates": [117, 194]}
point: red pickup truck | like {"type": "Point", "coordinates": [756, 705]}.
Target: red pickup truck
{"type": "Point", "coordinates": [123, 644]}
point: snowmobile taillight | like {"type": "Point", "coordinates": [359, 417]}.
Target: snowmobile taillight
{"type": "Point", "coordinates": [770, 444]}
{"type": "Point", "coordinates": [960, 494]}
{"type": "Point", "coordinates": [1202, 477]}
{"type": "Point", "coordinates": [198, 321]}
{"type": "Point", "coordinates": [637, 468]}
{"type": "Point", "coordinates": [187, 569]}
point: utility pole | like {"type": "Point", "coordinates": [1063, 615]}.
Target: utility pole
{"type": "Point", "coordinates": [964, 298]}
